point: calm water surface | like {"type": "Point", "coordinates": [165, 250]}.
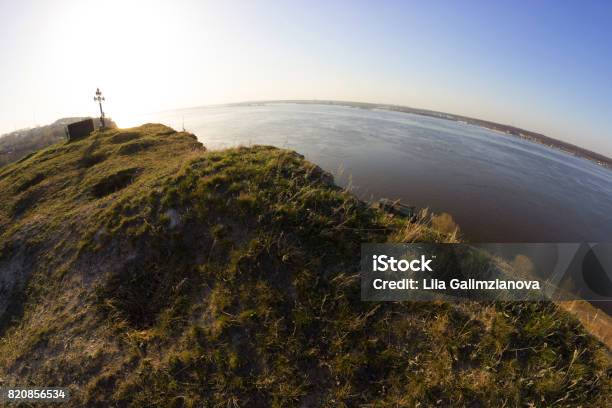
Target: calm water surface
{"type": "Point", "coordinates": [498, 188]}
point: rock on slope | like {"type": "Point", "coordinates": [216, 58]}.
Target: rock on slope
{"type": "Point", "coordinates": [139, 269]}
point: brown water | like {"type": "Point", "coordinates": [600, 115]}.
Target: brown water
{"type": "Point", "coordinates": [498, 188]}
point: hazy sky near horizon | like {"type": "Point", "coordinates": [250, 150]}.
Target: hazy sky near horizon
{"type": "Point", "coordinates": [544, 66]}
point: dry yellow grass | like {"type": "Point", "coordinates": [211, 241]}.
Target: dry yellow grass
{"type": "Point", "coordinates": [597, 322]}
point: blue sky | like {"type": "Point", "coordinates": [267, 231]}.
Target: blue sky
{"type": "Point", "coordinates": [541, 65]}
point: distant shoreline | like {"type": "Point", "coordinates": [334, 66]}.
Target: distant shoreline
{"type": "Point", "coordinates": [539, 138]}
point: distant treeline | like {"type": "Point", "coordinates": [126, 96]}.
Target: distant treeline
{"type": "Point", "coordinates": [18, 144]}
{"type": "Point", "coordinates": [511, 130]}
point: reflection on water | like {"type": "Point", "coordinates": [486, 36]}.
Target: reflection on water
{"type": "Point", "coordinates": [498, 188]}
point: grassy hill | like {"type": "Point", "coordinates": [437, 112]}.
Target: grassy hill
{"type": "Point", "coordinates": [18, 144]}
{"type": "Point", "coordinates": [139, 269]}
